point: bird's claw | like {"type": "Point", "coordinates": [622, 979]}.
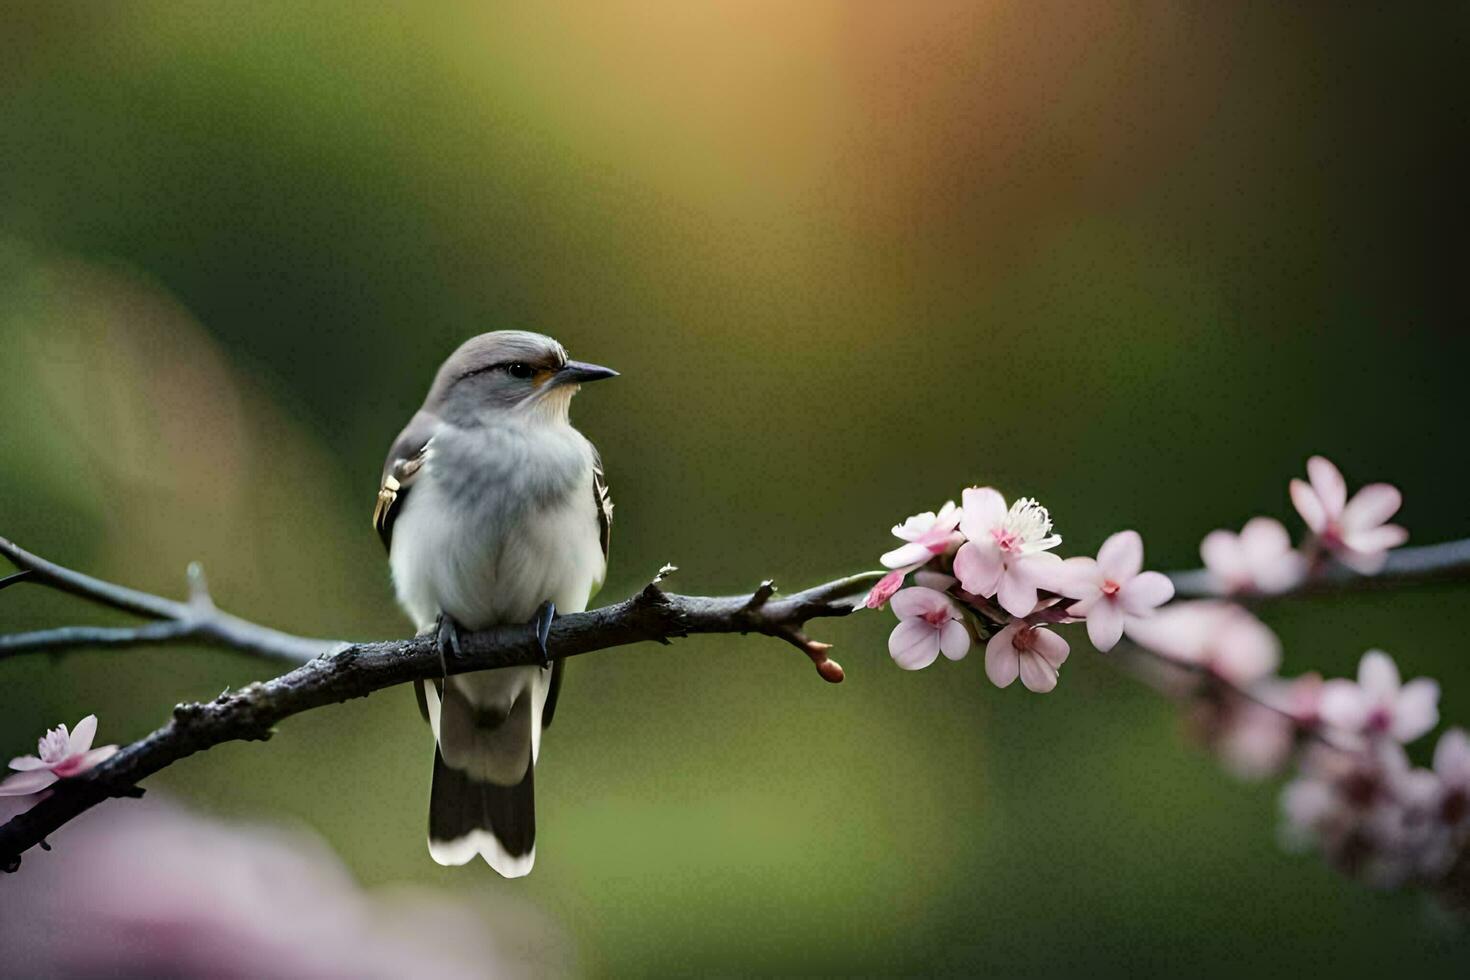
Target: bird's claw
{"type": "Point", "coordinates": [448, 641]}
{"type": "Point", "coordinates": [542, 624]}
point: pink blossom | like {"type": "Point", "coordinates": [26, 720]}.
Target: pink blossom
{"type": "Point", "coordinates": [1379, 703]}
{"type": "Point", "coordinates": [1216, 636]}
{"type": "Point", "coordinates": [1252, 740]}
{"type": "Point", "coordinates": [1007, 552]}
{"type": "Point", "coordinates": [1258, 559]}
{"type": "Point", "coordinates": [1354, 531]}
{"type": "Point", "coordinates": [1370, 812]}
{"type": "Point", "coordinates": [883, 591]}
{"type": "Point", "coordinates": [154, 890]}
{"type": "Point", "coordinates": [1255, 738]}
{"type": "Point", "coordinates": [1452, 766]}
{"type": "Point", "coordinates": [1300, 698]}
{"type": "Point", "coordinates": [925, 535]}
{"type": "Point", "coordinates": [929, 624]}
{"type": "Point", "coordinates": [59, 755]}
{"type": "Point", "coordinates": [930, 579]}
{"type": "Point", "coordinates": [1112, 591]}
{"type": "Point", "coordinates": [1033, 653]}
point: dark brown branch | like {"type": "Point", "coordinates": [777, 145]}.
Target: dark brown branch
{"type": "Point", "coordinates": [352, 670]}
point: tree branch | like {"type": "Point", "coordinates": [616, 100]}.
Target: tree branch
{"type": "Point", "coordinates": [335, 671]}
{"type": "Point", "coordinates": [194, 621]}
{"type": "Point", "coordinates": [332, 671]}
{"type": "Point", "coordinates": [1430, 564]}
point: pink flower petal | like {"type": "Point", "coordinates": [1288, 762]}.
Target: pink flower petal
{"type": "Point", "coordinates": [1377, 675]}
{"type": "Point", "coordinates": [26, 783]}
{"type": "Point", "coordinates": [1105, 625]}
{"type": "Point", "coordinates": [82, 735]}
{"type": "Point", "coordinates": [1328, 482]}
{"type": "Point", "coordinates": [1083, 607]}
{"type": "Point", "coordinates": [1370, 563]}
{"type": "Point", "coordinates": [1375, 540]}
{"type": "Point", "coordinates": [95, 757]}
{"type": "Point", "coordinates": [983, 509]}
{"type": "Point", "coordinates": [1452, 757]}
{"type": "Point", "coordinates": [1308, 802]}
{"type": "Point", "coordinates": [1121, 556]}
{"type": "Point", "coordinates": [1343, 705]}
{"type": "Point", "coordinates": [1246, 650]}
{"type": "Point", "coordinates": [1371, 506]}
{"type": "Point", "coordinates": [978, 566]}
{"type": "Point", "coordinates": [1304, 499]}
{"type": "Point", "coordinates": [929, 579]}
{"type": "Point", "coordinates": [946, 520]}
{"type": "Point", "coordinates": [1075, 578]}
{"type": "Point", "coordinates": [913, 644]}
{"type": "Point", "coordinates": [954, 640]}
{"type": "Point", "coordinates": [1145, 593]}
{"type": "Point", "coordinates": [1039, 568]}
{"type": "Point", "coordinates": [884, 589]}
{"type": "Point", "coordinates": [919, 601]}
{"type": "Point", "coordinates": [905, 555]}
{"type": "Point", "coordinates": [1050, 647]}
{"type": "Point", "coordinates": [1222, 553]}
{"type": "Point", "coordinates": [25, 763]}
{"type": "Point", "coordinates": [1038, 675]}
{"type": "Point", "coordinates": [1264, 538]}
{"type": "Point", "coordinates": [1002, 665]}
{"type": "Point", "coordinates": [1017, 595]}
{"type": "Point", "coordinates": [1417, 709]}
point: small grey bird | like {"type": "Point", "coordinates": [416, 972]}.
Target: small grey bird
{"type": "Point", "coordinates": [494, 510]}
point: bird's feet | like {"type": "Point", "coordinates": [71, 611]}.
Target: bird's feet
{"type": "Point", "coordinates": [447, 637]}
{"type": "Point", "coordinates": [542, 624]}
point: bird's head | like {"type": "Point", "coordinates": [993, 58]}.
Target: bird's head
{"type": "Point", "coordinates": [510, 371]}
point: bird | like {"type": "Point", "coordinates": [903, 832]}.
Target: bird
{"type": "Point", "coordinates": [494, 510]}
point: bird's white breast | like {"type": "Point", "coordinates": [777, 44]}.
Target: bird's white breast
{"type": "Point", "coordinates": [499, 521]}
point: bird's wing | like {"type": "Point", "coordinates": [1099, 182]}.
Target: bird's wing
{"type": "Point", "coordinates": [400, 469]}
{"type": "Point", "coordinates": [602, 497]}
{"type": "Point", "coordinates": [604, 507]}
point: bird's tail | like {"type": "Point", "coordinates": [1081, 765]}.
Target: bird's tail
{"type": "Point", "coordinates": [483, 800]}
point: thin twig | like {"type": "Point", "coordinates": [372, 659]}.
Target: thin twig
{"type": "Point", "coordinates": [195, 621]}
{"type": "Point", "coordinates": [1430, 564]}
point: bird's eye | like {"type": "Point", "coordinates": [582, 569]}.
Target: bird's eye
{"type": "Point", "coordinates": [519, 370]}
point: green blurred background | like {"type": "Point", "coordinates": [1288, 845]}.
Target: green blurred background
{"type": "Point", "coordinates": [1139, 260]}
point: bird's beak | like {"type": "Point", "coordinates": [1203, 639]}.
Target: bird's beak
{"type": "Point", "coordinates": [580, 372]}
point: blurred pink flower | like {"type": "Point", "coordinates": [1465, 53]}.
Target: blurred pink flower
{"type": "Point", "coordinates": [59, 754]}
{"type": "Point", "coordinates": [1256, 738]}
{"type": "Point", "coordinates": [1452, 766]}
{"type": "Point", "coordinates": [1033, 653]}
{"type": "Point", "coordinates": [1354, 531]}
{"type": "Point", "coordinates": [1379, 703]}
{"type": "Point", "coordinates": [1007, 552]}
{"type": "Point", "coordinates": [929, 624]}
{"type": "Point", "coordinates": [149, 889]}
{"type": "Point", "coordinates": [1253, 741]}
{"type": "Point", "coordinates": [926, 535]}
{"type": "Point", "coordinates": [1258, 559]}
{"type": "Point", "coordinates": [1112, 591]}
{"type": "Point", "coordinates": [1371, 813]}
{"type": "Point", "coordinates": [1211, 634]}
{"type": "Point", "coordinates": [1300, 697]}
